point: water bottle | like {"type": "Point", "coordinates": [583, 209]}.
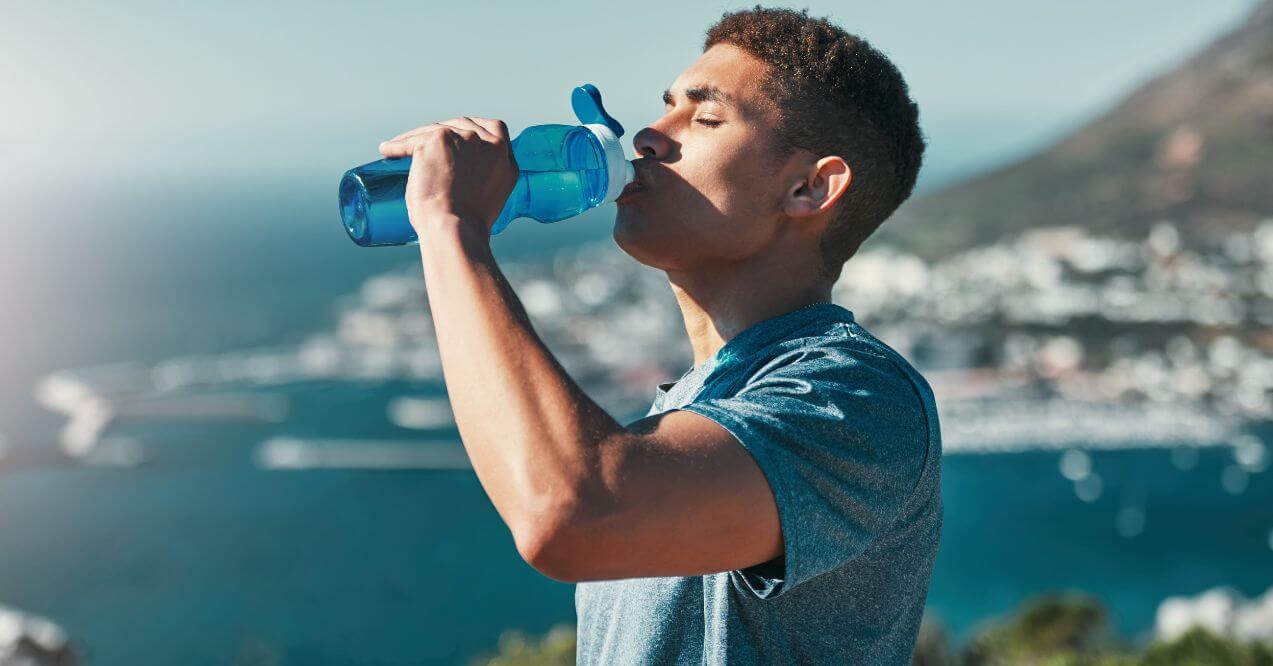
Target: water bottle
{"type": "Point", "coordinates": [563, 171]}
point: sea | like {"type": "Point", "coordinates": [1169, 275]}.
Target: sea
{"type": "Point", "coordinates": [201, 556]}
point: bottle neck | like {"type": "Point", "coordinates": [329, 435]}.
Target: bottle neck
{"type": "Point", "coordinates": [619, 170]}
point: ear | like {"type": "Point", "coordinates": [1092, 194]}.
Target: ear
{"type": "Point", "coordinates": [823, 184]}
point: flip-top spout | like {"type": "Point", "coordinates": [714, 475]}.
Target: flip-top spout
{"type": "Point", "coordinates": [586, 100]}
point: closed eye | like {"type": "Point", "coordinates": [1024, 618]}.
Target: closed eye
{"type": "Point", "coordinates": [709, 122]}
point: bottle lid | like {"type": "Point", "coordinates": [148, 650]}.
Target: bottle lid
{"type": "Point", "coordinates": [586, 100]}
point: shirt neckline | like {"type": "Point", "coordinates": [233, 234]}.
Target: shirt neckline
{"type": "Point", "coordinates": [760, 334]}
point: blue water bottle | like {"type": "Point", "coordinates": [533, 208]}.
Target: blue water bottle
{"type": "Point", "coordinates": [563, 171]}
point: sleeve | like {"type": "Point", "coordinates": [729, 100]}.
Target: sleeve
{"type": "Point", "coordinates": [841, 436]}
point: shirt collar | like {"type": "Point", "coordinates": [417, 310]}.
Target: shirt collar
{"type": "Point", "coordinates": [767, 331]}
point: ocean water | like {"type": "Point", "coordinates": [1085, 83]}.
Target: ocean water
{"type": "Point", "coordinates": [152, 269]}
{"type": "Point", "coordinates": [203, 557]}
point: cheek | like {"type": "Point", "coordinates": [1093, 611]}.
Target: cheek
{"type": "Point", "coordinates": [714, 209]}
{"type": "Point", "coordinates": [736, 185]}
{"type": "Point", "coordinates": [743, 208]}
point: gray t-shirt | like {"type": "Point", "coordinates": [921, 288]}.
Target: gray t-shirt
{"type": "Point", "coordinates": [846, 433]}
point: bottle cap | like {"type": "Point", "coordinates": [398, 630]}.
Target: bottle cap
{"type": "Point", "coordinates": [619, 170]}
{"type": "Point", "coordinates": [586, 100]}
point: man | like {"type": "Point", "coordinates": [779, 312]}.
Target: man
{"type": "Point", "coordinates": [780, 503]}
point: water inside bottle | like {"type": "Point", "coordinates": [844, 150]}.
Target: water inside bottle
{"type": "Point", "coordinates": [561, 182]}
{"type": "Point", "coordinates": [562, 174]}
{"type": "Point", "coordinates": [375, 197]}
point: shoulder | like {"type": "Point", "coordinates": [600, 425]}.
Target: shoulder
{"type": "Point", "coordinates": [860, 389]}
{"type": "Point", "coordinates": [837, 399]}
{"type": "Point", "coordinates": [839, 356]}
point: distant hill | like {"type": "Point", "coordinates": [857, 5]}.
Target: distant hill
{"type": "Point", "coordinates": [1194, 146]}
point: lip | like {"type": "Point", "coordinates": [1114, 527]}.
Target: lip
{"type": "Point", "coordinates": [636, 186]}
{"type": "Point", "coordinates": [632, 188]}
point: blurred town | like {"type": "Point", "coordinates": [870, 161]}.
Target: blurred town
{"type": "Point", "coordinates": [1053, 339]}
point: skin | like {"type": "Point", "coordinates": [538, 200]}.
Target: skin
{"type": "Point", "coordinates": [736, 231]}
{"type": "Point", "coordinates": [738, 243]}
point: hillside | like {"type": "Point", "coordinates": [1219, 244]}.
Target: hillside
{"type": "Point", "coordinates": [1194, 146]}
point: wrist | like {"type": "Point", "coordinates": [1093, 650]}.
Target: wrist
{"type": "Point", "coordinates": [448, 229]}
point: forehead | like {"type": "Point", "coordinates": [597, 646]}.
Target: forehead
{"type": "Point", "coordinates": [730, 70]}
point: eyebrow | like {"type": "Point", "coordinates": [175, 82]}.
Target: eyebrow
{"type": "Point", "coordinates": [703, 93]}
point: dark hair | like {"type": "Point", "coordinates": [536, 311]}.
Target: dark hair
{"type": "Point", "coordinates": [833, 94]}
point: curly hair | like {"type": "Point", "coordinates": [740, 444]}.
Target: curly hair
{"type": "Point", "coordinates": [833, 94]}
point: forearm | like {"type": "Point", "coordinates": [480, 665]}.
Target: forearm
{"type": "Point", "coordinates": [535, 439]}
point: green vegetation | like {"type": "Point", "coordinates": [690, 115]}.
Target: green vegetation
{"type": "Point", "coordinates": [556, 648]}
{"type": "Point", "coordinates": [1202, 647]}
{"type": "Point", "coordinates": [1073, 630]}
{"type": "Point", "coordinates": [1057, 629]}
{"type": "Point", "coordinates": [1051, 630]}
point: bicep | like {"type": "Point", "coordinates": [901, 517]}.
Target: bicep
{"type": "Point", "coordinates": [684, 498]}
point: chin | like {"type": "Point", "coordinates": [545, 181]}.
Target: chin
{"type": "Point", "coordinates": [624, 236]}
{"type": "Point", "coordinates": [634, 237]}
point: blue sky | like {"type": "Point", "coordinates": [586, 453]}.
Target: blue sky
{"type": "Point", "coordinates": [132, 87]}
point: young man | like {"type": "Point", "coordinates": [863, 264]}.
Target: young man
{"type": "Point", "coordinates": [781, 501]}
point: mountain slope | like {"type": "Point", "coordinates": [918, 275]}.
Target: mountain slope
{"type": "Point", "coordinates": [1194, 146]}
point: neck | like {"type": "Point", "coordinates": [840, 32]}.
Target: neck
{"type": "Point", "coordinates": [720, 302]}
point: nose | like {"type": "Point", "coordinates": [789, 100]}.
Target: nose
{"type": "Point", "coordinates": [650, 142]}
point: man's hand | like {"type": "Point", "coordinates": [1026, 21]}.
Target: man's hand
{"type": "Point", "coordinates": [460, 168]}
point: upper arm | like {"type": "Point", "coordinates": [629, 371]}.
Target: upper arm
{"type": "Point", "coordinates": [683, 498]}
{"type": "Point", "coordinates": [813, 459]}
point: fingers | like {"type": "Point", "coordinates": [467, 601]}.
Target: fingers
{"type": "Point", "coordinates": [414, 132]}
{"type": "Point", "coordinates": [466, 124]}
{"type": "Point", "coordinates": [496, 128]}
{"type": "Point", "coordinates": [406, 145]}
{"type": "Point", "coordinates": [490, 129]}
{"type": "Point", "coordinates": [407, 133]}
{"type": "Point", "coordinates": [459, 124]}
{"type": "Point", "coordinates": [493, 131]}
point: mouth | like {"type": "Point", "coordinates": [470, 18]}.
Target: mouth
{"type": "Point", "coordinates": [633, 188]}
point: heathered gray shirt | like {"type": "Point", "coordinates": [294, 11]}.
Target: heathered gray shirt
{"type": "Point", "coordinates": [846, 433]}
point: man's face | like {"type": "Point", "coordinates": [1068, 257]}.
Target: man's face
{"type": "Point", "coordinates": [711, 190]}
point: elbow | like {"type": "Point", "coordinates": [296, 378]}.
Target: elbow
{"type": "Point", "coordinates": [546, 553]}
{"type": "Point", "coordinates": [555, 542]}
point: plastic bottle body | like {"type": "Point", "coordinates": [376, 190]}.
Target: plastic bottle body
{"type": "Point", "coordinates": [562, 172]}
